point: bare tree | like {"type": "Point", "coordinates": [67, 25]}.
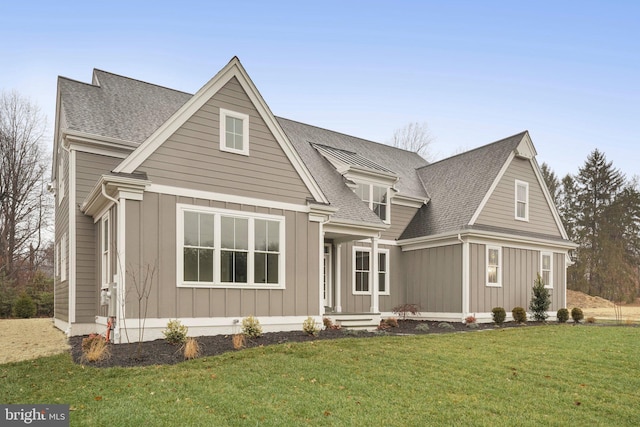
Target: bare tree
{"type": "Point", "coordinates": [414, 137]}
{"type": "Point", "coordinates": [24, 201]}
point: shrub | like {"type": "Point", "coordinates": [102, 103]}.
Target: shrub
{"type": "Point", "coordinates": [238, 341]}
{"type": "Point", "coordinates": [45, 304]}
{"type": "Point", "coordinates": [383, 326]}
{"type": "Point", "coordinates": [563, 315]}
{"type": "Point", "coordinates": [519, 315]}
{"type": "Point", "coordinates": [473, 325]}
{"type": "Point", "coordinates": [576, 314]}
{"type": "Point", "coordinates": [591, 319]}
{"type": "Point", "coordinates": [310, 327]}
{"type": "Point", "coordinates": [191, 348]}
{"type": "Point", "coordinates": [405, 309]}
{"type": "Point", "coordinates": [540, 300]}
{"type": "Point", "coordinates": [445, 325]}
{"type": "Point", "coordinates": [251, 327]}
{"type": "Point", "coordinates": [392, 322]}
{"type": "Point", "coordinates": [95, 349]}
{"type": "Point", "coordinates": [328, 324]}
{"type": "Point", "coordinates": [424, 327]}
{"type": "Point", "coordinates": [176, 332]}
{"type": "Point", "coordinates": [352, 332]}
{"type": "Point", "coordinates": [469, 320]}
{"type": "Point", "coordinates": [498, 314]}
{"type": "Point", "coordinates": [24, 307]}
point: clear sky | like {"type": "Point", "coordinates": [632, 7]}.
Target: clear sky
{"type": "Point", "coordinates": [475, 71]}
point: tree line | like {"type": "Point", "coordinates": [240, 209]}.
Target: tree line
{"type": "Point", "coordinates": [600, 209]}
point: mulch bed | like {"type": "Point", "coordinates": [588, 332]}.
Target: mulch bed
{"type": "Point", "coordinates": [159, 352]}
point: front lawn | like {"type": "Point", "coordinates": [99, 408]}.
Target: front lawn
{"type": "Point", "coordinates": [546, 375]}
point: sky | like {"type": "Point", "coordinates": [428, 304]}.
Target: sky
{"type": "Point", "coordinates": [474, 71]}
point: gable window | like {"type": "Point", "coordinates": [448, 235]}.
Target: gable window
{"type": "Point", "coordinates": [63, 258]}
{"type": "Point", "coordinates": [522, 200]}
{"type": "Point", "coordinates": [546, 263]}
{"type": "Point", "coordinates": [234, 132]}
{"type": "Point", "coordinates": [494, 262]}
{"type": "Point", "coordinates": [383, 271]}
{"type": "Point", "coordinates": [105, 253]}
{"type": "Point", "coordinates": [224, 248]}
{"type": "Point", "coordinates": [375, 196]}
{"type": "Point", "coordinates": [361, 271]}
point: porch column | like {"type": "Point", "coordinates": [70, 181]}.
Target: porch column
{"type": "Point", "coordinates": [337, 274]}
{"type": "Point", "coordinates": [374, 272]}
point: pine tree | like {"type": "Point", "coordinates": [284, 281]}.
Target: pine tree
{"type": "Point", "coordinates": [552, 182]}
{"type": "Point", "coordinates": [540, 300]}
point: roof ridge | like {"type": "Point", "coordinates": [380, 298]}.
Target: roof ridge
{"type": "Point", "coordinates": [474, 149]}
{"type": "Point", "coordinates": [76, 81]}
{"type": "Point", "coordinates": [140, 81]}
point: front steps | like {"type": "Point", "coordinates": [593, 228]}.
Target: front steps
{"type": "Point", "coordinates": [359, 321]}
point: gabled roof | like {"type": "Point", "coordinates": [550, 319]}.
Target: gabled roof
{"type": "Point", "coordinates": [350, 158]}
{"type": "Point", "coordinates": [458, 185]}
{"type": "Point", "coordinates": [402, 163]}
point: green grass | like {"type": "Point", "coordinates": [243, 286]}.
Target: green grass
{"type": "Point", "coordinates": [550, 375]}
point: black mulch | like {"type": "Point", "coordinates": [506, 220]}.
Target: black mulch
{"type": "Point", "coordinates": [159, 352]}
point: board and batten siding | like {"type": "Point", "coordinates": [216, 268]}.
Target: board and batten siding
{"type": "Point", "coordinates": [89, 168]}
{"type": "Point", "coordinates": [151, 242]}
{"type": "Point", "coordinates": [434, 278]}
{"type": "Point", "coordinates": [500, 208]}
{"type": "Point", "coordinates": [400, 218]}
{"type": "Point", "coordinates": [519, 269]}
{"type": "Point", "coordinates": [397, 289]}
{"type": "Point", "coordinates": [191, 157]}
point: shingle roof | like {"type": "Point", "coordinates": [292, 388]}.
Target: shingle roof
{"type": "Point", "coordinates": [456, 187]}
{"type": "Point", "coordinates": [117, 107]}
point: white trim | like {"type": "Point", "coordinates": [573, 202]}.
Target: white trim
{"type": "Point", "coordinates": [370, 202]}
{"type": "Point", "coordinates": [497, 284]}
{"type": "Point", "coordinates": [181, 208]}
{"type": "Point", "coordinates": [62, 325]}
{"type": "Point", "coordinates": [72, 235]}
{"type": "Point", "coordinates": [232, 69]}
{"type": "Point", "coordinates": [223, 197]}
{"type": "Point", "coordinates": [326, 275]}
{"type": "Point", "coordinates": [99, 150]}
{"type": "Point", "coordinates": [550, 255]}
{"type": "Point", "coordinates": [338, 276]}
{"type": "Point", "coordinates": [105, 267]}
{"type": "Point", "coordinates": [224, 113]}
{"type": "Point", "coordinates": [121, 285]}
{"type": "Point", "coordinates": [526, 200]}
{"type": "Point", "coordinates": [354, 251]}
{"type": "Point", "coordinates": [408, 201]}
{"type": "Point", "coordinates": [435, 316]}
{"type": "Point", "coordinates": [64, 258]}
{"type": "Point", "coordinates": [374, 274]}
{"type": "Point", "coordinates": [387, 275]}
{"type": "Point", "coordinates": [466, 277]}
{"type": "Point", "coordinates": [495, 183]}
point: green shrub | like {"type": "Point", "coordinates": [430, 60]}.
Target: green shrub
{"type": "Point", "coordinates": [445, 325]}
{"type": "Point", "coordinates": [519, 315]}
{"type": "Point", "coordinates": [540, 300]}
{"type": "Point", "coordinates": [310, 327]}
{"type": "Point", "coordinates": [422, 327]}
{"type": "Point", "coordinates": [576, 314]}
{"type": "Point", "coordinates": [7, 297]}
{"type": "Point", "coordinates": [45, 304]}
{"type": "Point", "coordinates": [563, 315]}
{"type": "Point", "coordinates": [176, 332]}
{"type": "Point", "coordinates": [251, 327]}
{"type": "Point", "coordinates": [24, 307]}
{"type": "Point", "coordinates": [499, 315]}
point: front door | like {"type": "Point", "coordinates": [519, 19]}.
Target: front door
{"type": "Point", "coordinates": [327, 275]}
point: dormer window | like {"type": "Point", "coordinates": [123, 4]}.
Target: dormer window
{"type": "Point", "coordinates": [376, 197]}
{"type": "Point", "coordinates": [234, 132]}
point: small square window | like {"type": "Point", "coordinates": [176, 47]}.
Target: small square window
{"type": "Point", "coordinates": [234, 132]}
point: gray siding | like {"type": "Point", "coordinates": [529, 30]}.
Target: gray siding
{"type": "Point", "coordinates": [434, 278]}
{"type": "Point", "coordinates": [151, 240]}
{"type": "Point", "coordinates": [191, 157]}
{"type": "Point", "coordinates": [61, 293]}
{"type": "Point", "coordinates": [519, 271]}
{"type": "Point", "coordinates": [500, 209]}
{"type": "Point", "coordinates": [400, 218]}
{"type": "Point", "coordinates": [89, 168]}
{"type": "Point", "coordinates": [397, 280]}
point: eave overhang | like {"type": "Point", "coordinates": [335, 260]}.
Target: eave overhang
{"type": "Point", "coordinates": [112, 188]}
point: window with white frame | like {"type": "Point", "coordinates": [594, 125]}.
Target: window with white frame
{"type": "Point", "coordinates": [61, 177]}
{"type": "Point", "coordinates": [546, 263]}
{"type": "Point", "coordinates": [383, 271]}
{"type": "Point", "coordinates": [522, 201]}
{"type": "Point", "coordinates": [222, 248]}
{"type": "Point", "coordinates": [362, 271]}
{"type": "Point", "coordinates": [63, 258]}
{"type": "Point", "coordinates": [105, 249]}
{"type": "Point", "coordinates": [494, 269]}
{"type": "Point", "coordinates": [376, 197]}
{"type": "Point", "coordinates": [234, 132]}
{"type": "Point", "coordinates": [56, 266]}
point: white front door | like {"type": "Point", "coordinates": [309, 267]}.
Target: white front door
{"type": "Point", "coordinates": [327, 275]}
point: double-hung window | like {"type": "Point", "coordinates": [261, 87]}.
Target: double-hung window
{"type": "Point", "coordinates": [494, 269]}
{"type": "Point", "coordinates": [375, 196]}
{"type": "Point", "coordinates": [362, 271]}
{"type": "Point", "coordinates": [546, 263]}
{"type": "Point", "coordinates": [522, 201]}
{"type": "Point", "coordinates": [383, 271]}
{"type": "Point", "coordinates": [234, 132]}
{"type": "Point", "coordinates": [224, 248]}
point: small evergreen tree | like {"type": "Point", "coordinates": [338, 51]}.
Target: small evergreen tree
{"type": "Point", "coordinates": [540, 300]}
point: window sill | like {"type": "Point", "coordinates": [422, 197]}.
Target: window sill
{"type": "Point", "coordinates": [230, 286]}
{"type": "Point", "coordinates": [493, 285]}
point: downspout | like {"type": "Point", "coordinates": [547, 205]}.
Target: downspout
{"type": "Point", "coordinates": [465, 277]}
{"type": "Point", "coordinates": [112, 324]}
